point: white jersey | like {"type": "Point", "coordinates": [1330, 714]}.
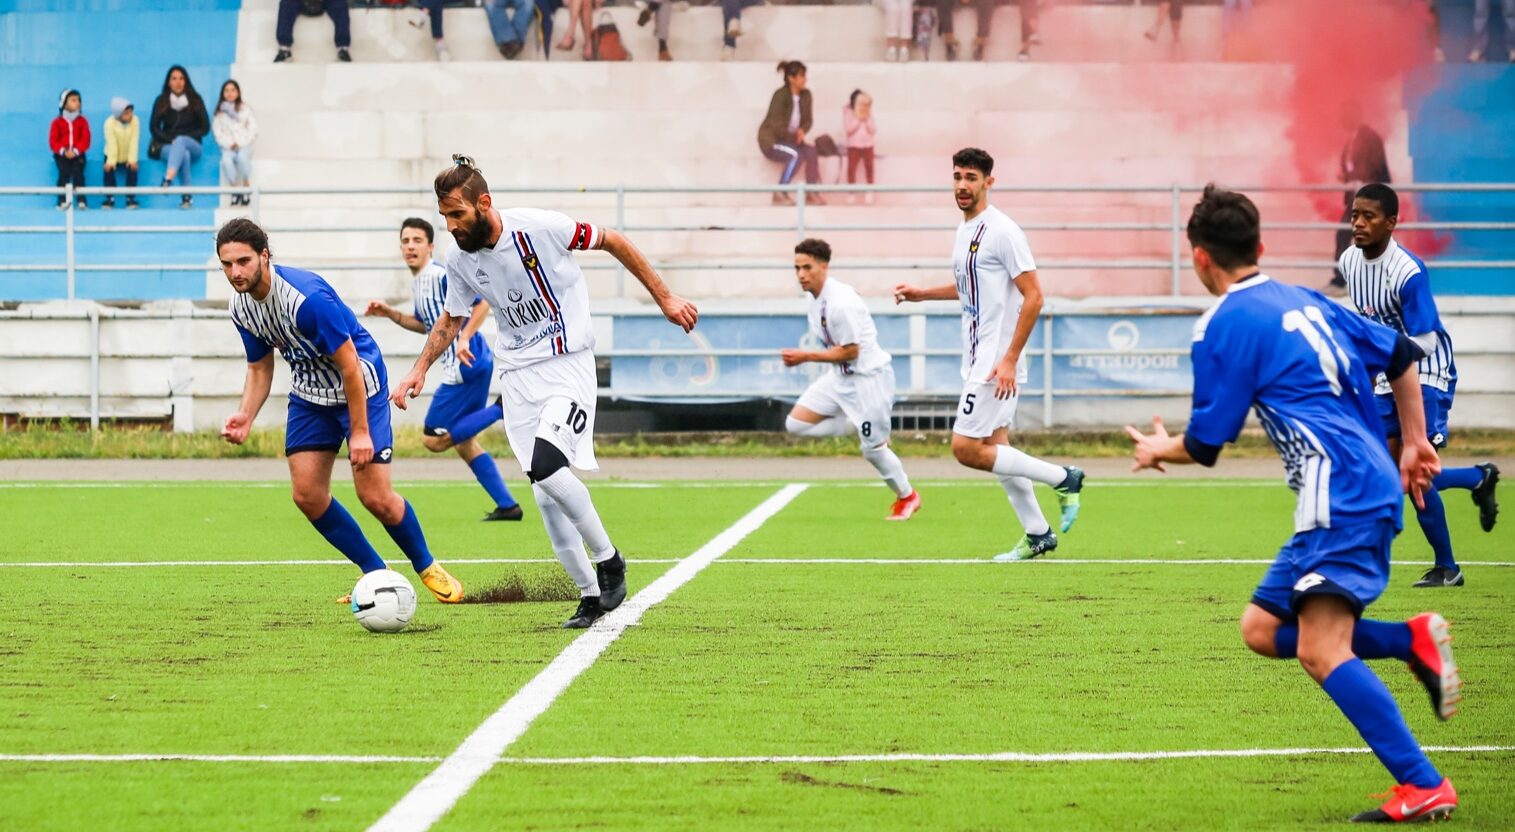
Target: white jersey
{"type": "Point", "coordinates": [838, 316]}
{"type": "Point", "coordinates": [531, 279]}
{"type": "Point", "coordinates": [430, 292]}
{"type": "Point", "coordinates": [990, 252]}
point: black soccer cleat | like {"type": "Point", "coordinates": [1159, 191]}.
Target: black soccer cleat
{"type": "Point", "coordinates": [1438, 576]}
{"type": "Point", "coordinates": [1483, 496]}
{"type": "Point", "coordinates": [588, 612]}
{"type": "Point", "coordinates": [612, 576]}
{"type": "Point", "coordinates": [512, 513]}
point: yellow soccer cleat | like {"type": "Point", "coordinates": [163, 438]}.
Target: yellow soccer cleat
{"type": "Point", "coordinates": [449, 590]}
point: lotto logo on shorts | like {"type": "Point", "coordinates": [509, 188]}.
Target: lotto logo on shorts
{"type": "Point", "coordinates": [385, 454]}
{"type": "Point", "coordinates": [1309, 582]}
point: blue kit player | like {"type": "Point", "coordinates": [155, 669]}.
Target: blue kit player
{"type": "Point", "coordinates": [1392, 286]}
{"type": "Point", "coordinates": [1305, 366]}
{"type": "Point", "coordinates": [338, 392]}
{"type": "Point", "coordinates": [460, 410]}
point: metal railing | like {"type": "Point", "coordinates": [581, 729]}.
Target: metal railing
{"type": "Point", "coordinates": [1172, 195]}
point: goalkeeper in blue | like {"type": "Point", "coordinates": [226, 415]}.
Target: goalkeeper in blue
{"type": "Point", "coordinates": [1305, 366]}
{"type": "Point", "coordinates": [1392, 286]}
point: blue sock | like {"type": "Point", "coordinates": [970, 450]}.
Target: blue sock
{"type": "Point", "coordinates": [408, 536]}
{"type": "Point", "coordinates": [1468, 478]}
{"type": "Point", "coordinates": [342, 532]}
{"type": "Point", "coordinates": [1433, 522]}
{"type": "Point", "coordinates": [1370, 640]}
{"type": "Point", "coordinates": [1365, 701]}
{"type": "Point", "coordinates": [488, 475]}
{"type": "Point", "coordinates": [467, 427]}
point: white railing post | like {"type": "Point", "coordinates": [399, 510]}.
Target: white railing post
{"type": "Point", "coordinates": [1177, 214]}
{"type": "Point", "coordinates": [620, 227]}
{"type": "Point", "coordinates": [68, 240]}
{"type": "Point", "coordinates": [799, 212]}
{"type": "Point", "coordinates": [1047, 379]}
{"type": "Point", "coordinates": [94, 368]}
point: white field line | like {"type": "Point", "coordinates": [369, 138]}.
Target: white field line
{"type": "Point", "coordinates": [335, 561]}
{"type": "Point", "coordinates": [994, 757]}
{"type": "Point", "coordinates": [430, 799]}
{"type": "Point", "coordinates": [967, 482]}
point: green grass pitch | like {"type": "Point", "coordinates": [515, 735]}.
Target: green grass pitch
{"type": "Point", "coordinates": [1124, 640]}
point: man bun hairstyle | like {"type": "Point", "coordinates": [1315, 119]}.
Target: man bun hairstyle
{"type": "Point", "coordinates": [462, 175]}
{"type": "Point", "coordinates": [243, 230]}
{"type": "Point", "coordinates": [422, 225]}
{"type": "Point", "coordinates": [818, 249]}
{"type": "Point", "coordinates": [1225, 224]}
{"type": "Point", "coordinates": [975, 158]}
{"type": "Point", "coordinates": [1384, 195]}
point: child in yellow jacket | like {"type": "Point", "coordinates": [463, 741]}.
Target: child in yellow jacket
{"type": "Point", "coordinates": [122, 132]}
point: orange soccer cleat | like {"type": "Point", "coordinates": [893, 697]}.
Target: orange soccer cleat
{"type": "Point", "coordinates": [905, 507]}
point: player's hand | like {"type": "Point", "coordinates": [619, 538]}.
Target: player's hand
{"type": "Point", "coordinates": [360, 449]}
{"type": "Point", "coordinates": [377, 308]}
{"type": "Point", "coordinates": [408, 388]}
{"type": "Point", "coordinates": [236, 428]}
{"type": "Point", "coordinates": [905, 293]}
{"type": "Point", "coordinates": [679, 312]}
{"type": "Point", "coordinates": [1004, 379]}
{"type": "Point", "coordinates": [1148, 450]}
{"type": "Point", "coordinates": [464, 354]}
{"type": "Point", "coordinates": [792, 358]}
{"type": "Point", "coordinates": [1418, 464]}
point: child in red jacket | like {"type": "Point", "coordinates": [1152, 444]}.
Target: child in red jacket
{"type": "Point", "coordinates": [69, 139]}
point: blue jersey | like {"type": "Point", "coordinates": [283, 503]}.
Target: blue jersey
{"type": "Point", "coordinates": [430, 292]}
{"type": "Point", "coordinates": [303, 318]}
{"type": "Point", "coordinates": [1305, 365]}
{"type": "Point", "coordinates": [1394, 289]}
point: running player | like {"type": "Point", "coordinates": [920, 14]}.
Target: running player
{"type": "Point", "coordinates": [520, 260]}
{"type": "Point", "coordinates": [859, 395]}
{"type": "Point", "coordinates": [1001, 298]}
{"type": "Point", "coordinates": [338, 392]}
{"type": "Point", "coordinates": [460, 409]}
{"type": "Point", "coordinates": [1305, 365]}
{"type": "Point", "coordinates": [1392, 286]}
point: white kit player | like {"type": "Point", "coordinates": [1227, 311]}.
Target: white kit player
{"type": "Point", "coordinates": [1001, 298]}
{"type": "Point", "coordinates": [521, 261]}
{"type": "Point", "coordinates": [859, 393]}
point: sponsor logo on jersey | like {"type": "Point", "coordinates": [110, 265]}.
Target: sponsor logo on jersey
{"type": "Point", "coordinates": [526, 313]}
{"type": "Point", "coordinates": [514, 295]}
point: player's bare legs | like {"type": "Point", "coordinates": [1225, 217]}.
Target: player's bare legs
{"type": "Point", "coordinates": [802, 421]}
{"type": "Point", "coordinates": [377, 494]}
{"type": "Point", "coordinates": [1017, 472]}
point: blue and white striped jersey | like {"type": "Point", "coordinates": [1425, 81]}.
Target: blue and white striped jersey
{"type": "Point", "coordinates": [1305, 365]}
{"type": "Point", "coordinates": [1395, 290]}
{"type": "Point", "coordinates": [430, 292]}
{"type": "Point", "coordinates": [303, 318]}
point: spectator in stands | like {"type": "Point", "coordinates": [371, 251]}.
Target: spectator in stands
{"type": "Point", "coordinates": [546, 9]}
{"type": "Point", "coordinates": [781, 136]}
{"type": "Point", "coordinates": [580, 17]}
{"type": "Point", "coordinates": [178, 124]}
{"type": "Point", "coordinates": [662, 10]}
{"type": "Point", "coordinates": [510, 22]}
{"type": "Point", "coordinates": [1173, 12]}
{"type": "Point", "coordinates": [897, 28]}
{"type": "Point", "coordinates": [123, 134]}
{"type": "Point", "coordinates": [69, 139]}
{"type": "Point", "coordinates": [284, 30]}
{"type": "Point", "coordinates": [431, 13]}
{"type": "Point", "coordinates": [235, 130]}
{"type": "Point", "coordinates": [731, 19]}
{"type": "Point", "coordinates": [983, 12]}
{"type": "Point", "coordinates": [857, 121]}
{"type": "Point", "coordinates": [1481, 29]}
{"type": "Point", "coordinates": [1363, 160]}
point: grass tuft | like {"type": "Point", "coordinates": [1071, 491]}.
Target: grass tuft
{"type": "Point", "coordinates": [519, 589]}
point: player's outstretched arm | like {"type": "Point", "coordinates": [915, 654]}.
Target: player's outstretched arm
{"type": "Point", "coordinates": [380, 309]}
{"type": "Point", "coordinates": [839, 354]}
{"type": "Point", "coordinates": [677, 310]}
{"type": "Point", "coordinates": [905, 293]}
{"type": "Point", "coordinates": [443, 333]}
{"type": "Point", "coordinates": [1157, 449]}
{"type": "Point", "coordinates": [260, 379]}
{"type": "Point", "coordinates": [359, 442]}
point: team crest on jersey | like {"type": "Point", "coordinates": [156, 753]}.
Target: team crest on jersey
{"type": "Point", "coordinates": [530, 262]}
{"type": "Point", "coordinates": [515, 296]}
{"type": "Point", "coordinates": [1368, 310]}
{"type": "Point", "coordinates": [973, 247]}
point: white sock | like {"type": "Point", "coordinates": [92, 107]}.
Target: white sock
{"type": "Point", "coordinates": [832, 426]}
{"type": "Point", "coordinates": [566, 543]}
{"type": "Point", "coordinates": [1023, 499]}
{"type": "Point", "coordinates": [890, 468]}
{"type": "Point", "coordinates": [1009, 462]}
{"type": "Point", "coordinates": [573, 498]}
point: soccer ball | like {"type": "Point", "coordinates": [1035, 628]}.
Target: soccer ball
{"type": "Point", "coordinates": [383, 601]}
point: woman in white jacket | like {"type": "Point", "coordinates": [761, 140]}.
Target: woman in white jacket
{"type": "Point", "coordinates": [235, 130]}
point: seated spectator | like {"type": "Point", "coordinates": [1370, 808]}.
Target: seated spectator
{"type": "Point", "coordinates": [123, 132]}
{"type": "Point", "coordinates": [781, 136]}
{"type": "Point", "coordinates": [857, 121]}
{"type": "Point", "coordinates": [235, 130]}
{"type": "Point", "coordinates": [509, 22]}
{"type": "Point", "coordinates": [178, 123]}
{"type": "Point", "coordinates": [663, 11]}
{"type": "Point", "coordinates": [897, 31]}
{"type": "Point", "coordinates": [983, 12]}
{"type": "Point", "coordinates": [431, 10]}
{"type": "Point", "coordinates": [580, 16]}
{"type": "Point", "coordinates": [285, 28]}
{"type": "Point", "coordinates": [69, 139]}
{"type": "Point", "coordinates": [1481, 29]}
{"type": "Point", "coordinates": [731, 19]}
{"type": "Point", "coordinates": [546, 10]}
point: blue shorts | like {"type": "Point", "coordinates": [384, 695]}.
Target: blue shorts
{"type": "Point", "coordinates": [1438, 404]}
{"type": "Point", "coordinates": [319, 427]}
{"type": "Point", "coordinates": [1350, 561]}
{"type": "Point", "coordinates": [454, 401]}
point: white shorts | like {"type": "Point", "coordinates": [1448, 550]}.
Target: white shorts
{"type": "Point", "coordinates": [980, 414]}
{"type": "Point", "coordinates": [867, 401]}
{"type": "Point", "coordinates": [552, 400]}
